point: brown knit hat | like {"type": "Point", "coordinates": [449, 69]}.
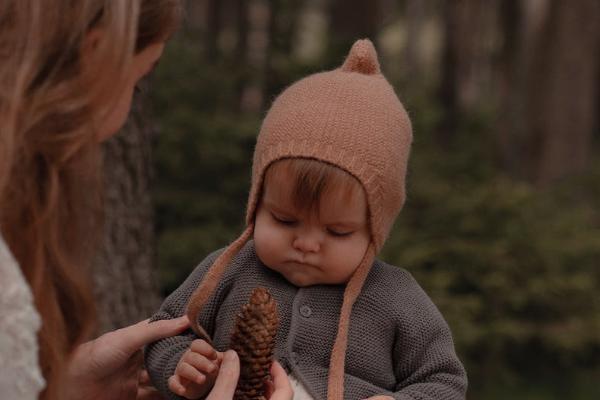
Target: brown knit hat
{"type": "Point", "coordinates": [351, 118]}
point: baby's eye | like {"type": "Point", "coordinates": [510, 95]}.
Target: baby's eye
{"type": "Point", "coordinates": [337, 233]}
{"type": "Point", "coordinates": [283, 220]}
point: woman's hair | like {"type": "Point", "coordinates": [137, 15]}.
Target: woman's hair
{"type": "Point", "coordinates": [311, 179]}
{"type": "Point", "coordinates": [50, 170]}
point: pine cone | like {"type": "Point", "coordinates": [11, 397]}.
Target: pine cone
{"type": "Point", "coordinates": [253, 339]}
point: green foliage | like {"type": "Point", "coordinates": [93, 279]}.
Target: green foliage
{"type": "Point", "coordinates": [202, 160]}
{"type": "Point", "coordinates": [513, 269]}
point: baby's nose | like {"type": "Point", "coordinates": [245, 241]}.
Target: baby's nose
{"type": "Point", "coordinates": [307, 242]}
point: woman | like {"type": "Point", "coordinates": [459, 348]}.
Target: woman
{"type": "Point", "coordinates": [67, 73]}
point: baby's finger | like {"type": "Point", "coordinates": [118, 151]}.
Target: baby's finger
{"type": "Point", "coordinates": [219, 359]}
{"type": "Point", "coordinates": [144, 378]}
{"type": "Point", "coordinates": [186, 371]}
{"type": "Point", "coordinates": [201, 363]}
{"type": "Point", "coordinates": [146, 393]}
{"type": "Point", "coordinates": [176, 386]}
{"type": "Point", "coordinates": [227, 379]}
{"type": "Point", "coordinates": [201, 347]}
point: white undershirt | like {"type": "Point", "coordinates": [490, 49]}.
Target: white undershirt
{"type": "Point", "coordinates": [300, 392]}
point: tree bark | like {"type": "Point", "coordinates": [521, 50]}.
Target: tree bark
{"type": "Point", "coordinates": [563, 90]}
{"type": "Point", "coordinates": [466, 60]}
{"type": "Point", "coordinates": [240, 55]}
{"type": "Point", "coordinates": [511, 82]}
{"type": "Point", "coordinates": [126, 290]}
{"type": "Point", "coordinates": [253, 96]}
{"type": "Point", "coordinates": [282, 26]}
{"type": "Point", "coordinates": [416, 13]}
{"type": "Point", "coordinates": [351, 20]}
{"type": "Point", "coordinates": [548, 86]}
{"type": "Point", "coordinates": [214, 26]}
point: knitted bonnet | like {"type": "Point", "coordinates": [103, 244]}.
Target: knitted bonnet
{"type": "Point", "coordinates": [351, 118]}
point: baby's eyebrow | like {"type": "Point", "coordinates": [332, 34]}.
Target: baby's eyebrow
{"type": "Point", "coordinates": [273, 206]}
{"type": "Point", "coordinates": [346, 224]}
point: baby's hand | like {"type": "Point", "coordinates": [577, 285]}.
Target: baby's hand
{"type": "Point", "coordinates": [196, 371]}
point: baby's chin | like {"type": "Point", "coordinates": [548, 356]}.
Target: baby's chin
{"type": "Point", "coordinates": [304, 280]}
{"type": "Point", "coordinates": [299, 282]}
{"type": "Point", "coordinates": [296, 279]}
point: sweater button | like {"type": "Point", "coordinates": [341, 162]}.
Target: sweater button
{"type": "Point", "coordinates": [305, 311]}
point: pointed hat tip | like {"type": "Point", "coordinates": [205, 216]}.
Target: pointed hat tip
{"type": "Point", "coordinates": [362, 58]}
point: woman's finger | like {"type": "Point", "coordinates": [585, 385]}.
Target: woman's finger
{"type": "Point", "coordinates": [227, 379]}
{"type": "Point", "coordinates": [144, 378]}
{"type": "Point", "coordinates": [138, 335]}
{"type": "Point", "coordinates": [147, 393]}
{"type": "Point", "coordinates": [282, 389]}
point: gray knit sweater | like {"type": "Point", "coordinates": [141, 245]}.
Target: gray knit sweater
{"type": "Point", "coordinates": [399, 344]}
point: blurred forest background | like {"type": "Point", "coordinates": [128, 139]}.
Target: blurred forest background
{"type": "Point", "coordinates": [502, 222]}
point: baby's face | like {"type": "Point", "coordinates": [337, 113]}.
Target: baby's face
{"type": "Point", "coordinates": [309, 247]}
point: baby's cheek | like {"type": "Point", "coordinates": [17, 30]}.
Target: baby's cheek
{"type": "Point", "coordinates": [264, 244]}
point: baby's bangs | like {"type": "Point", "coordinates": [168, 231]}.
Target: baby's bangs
{"type": "Point", "coordinates": [311, 179]}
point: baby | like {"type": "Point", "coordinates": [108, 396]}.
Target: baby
{"type": "Point", "coordinates": [327, 184]}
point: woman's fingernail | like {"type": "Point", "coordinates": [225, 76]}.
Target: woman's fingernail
{"type": "Point", "coordinates": [230, 355]}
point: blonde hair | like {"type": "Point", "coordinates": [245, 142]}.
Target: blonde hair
{"type": "Point", "coordinates": [49, 152]}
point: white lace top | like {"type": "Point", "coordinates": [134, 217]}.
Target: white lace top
{"type": "Point", "coordinates": [20, 375]}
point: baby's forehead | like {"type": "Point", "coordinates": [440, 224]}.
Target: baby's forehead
{"type": "Point", "coordinates": [337, 202]}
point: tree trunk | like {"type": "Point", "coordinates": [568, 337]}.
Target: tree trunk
{"type": "Point", "coordinates": [214, 25]}
{"type": "Point", "coordinates": [548, 86]}
{"type": "Point", "coordinates": [351, 20]}
{"type": "Point", "coordinates": [563, 90]}
{"type": "Point", "coordinates": [240, 55]}
{"type": "Point", "coordinates": [125, 287]}
{"type": "Point", "coordinates": [511, 82]}
{"type": "Point", "coordinates": [416, 13]}
{"type": "Point", "coordinates": [466, 60]}
{"type": "Point", "coordinates": [253, 96]}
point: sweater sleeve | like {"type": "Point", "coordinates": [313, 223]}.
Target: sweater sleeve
{"type": "Point", "coordinates": [426, 365]}
{"type": "Point", "coordinates": [161, 357]}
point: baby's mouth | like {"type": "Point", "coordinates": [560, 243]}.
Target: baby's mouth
{"type": "Point", "coordinates": [302, 263]}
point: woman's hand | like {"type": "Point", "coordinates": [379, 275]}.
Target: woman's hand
{"type": "Point", "coordinates": [227, 380]}
{"type": "Point", "coordinates": [279, 388]}
{"type": "Point", "coordinates": [229, 373]}
{"type": "Point", "coordinates": [109, 367]}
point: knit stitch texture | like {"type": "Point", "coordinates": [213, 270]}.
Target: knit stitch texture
{"type": "Point", "coordinates": [399, 344]}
